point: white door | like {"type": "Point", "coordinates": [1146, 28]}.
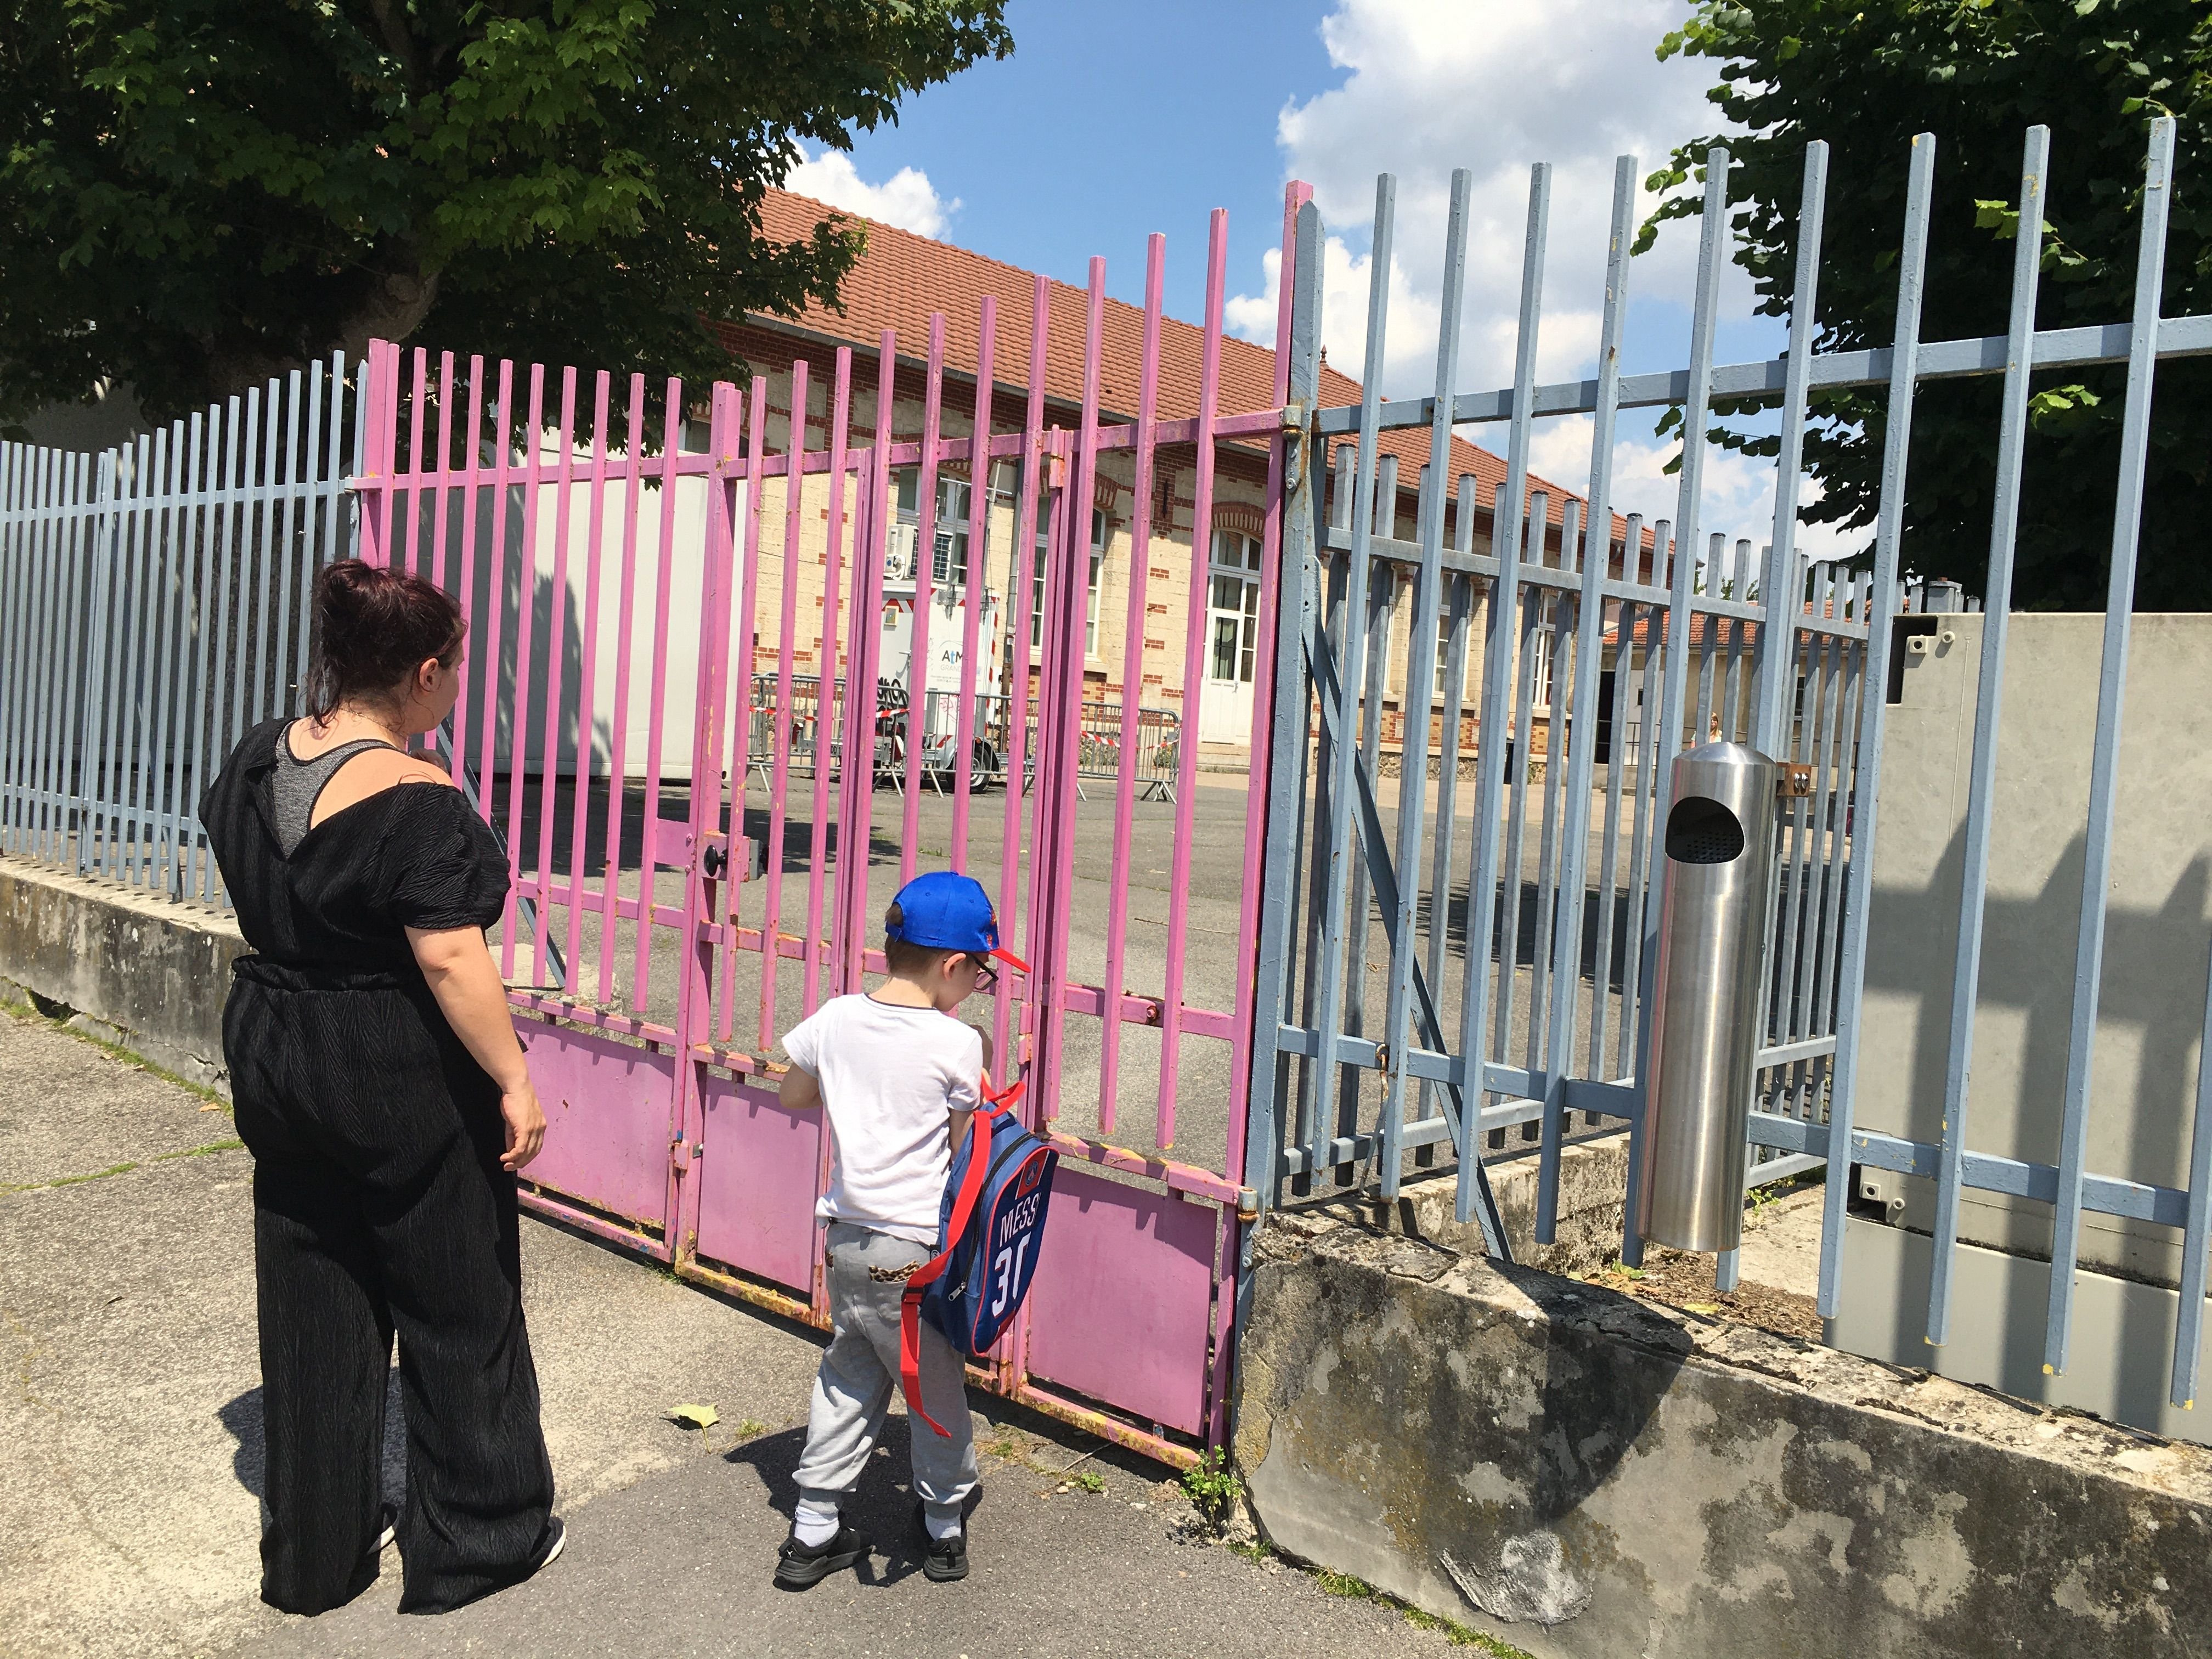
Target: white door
{"type": "Point", "coordinates": [1232, 638]}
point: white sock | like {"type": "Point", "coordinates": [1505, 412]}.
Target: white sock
{"type": "Point", "coordinates": [941, 1527]}
{"type": "Point", "coordinates": [815, 1523]}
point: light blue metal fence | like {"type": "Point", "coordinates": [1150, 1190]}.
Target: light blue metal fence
{"type": "Point", "coordinates": [1444, 975]}
{"type": "Point", "coordinates": [153, 605]}
{"type": "Point", "coordinates": [1400, 1023]}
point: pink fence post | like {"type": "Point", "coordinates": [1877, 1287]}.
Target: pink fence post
{"type": "Point", "coordinates": [587, 688]}
{"type": "Point", "coordinates": [625, 643]}
{"type": "Point", "coordinates": [1061, 754]}
{"type": "Point", "coordinates": [709, 781]}
{"type": "Point", "coordinates": [494, 664]}
{"type": "Point", "coordinates": [496, 602]}
{"type": "Point", "coordinates": [556, 641]}
{"type": "Point", "coordinates": [695, 986]}
{"type": "Point", "coordinates": [1044, 809]}
{"type": "Point", "coordinates": [1133, 686]}
{"type": "Point", "coordinates": [375, 486]}
{"type": "Point", "coordinates": [744, 652]}
{"type": "Point", "coordinates": [1029, 475]}
{"type": "Point", "coordinates": [794, 490]}
{"type": "Point", "coordinates": [856, 828]}
{"type": "Point", "coordinates": [471, 486]}
{"type": "Point", "coordinates": [656, 721]}
{"type": "Point", "coordinates": [817, 862]}
{"type": "Point", "coordinates": [415, 460]}
{"type": "Point", "coordinates": [517, 731]}
{"type": "Point", "coordinates": [445, 467]}
{"type": "Point", "coordinates": [924, 594]}
{"type": "Point", "coordinates": [1044, 461]}
{"type": "Point", "coordinates": [1201, 521]}
{"type": "Point", "coordinates": [979, 498]}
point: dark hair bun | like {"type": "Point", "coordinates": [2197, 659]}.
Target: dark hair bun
{"type": "Point", "coordinates": [374, 628]}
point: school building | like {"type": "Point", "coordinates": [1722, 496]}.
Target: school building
{"type": "Point", "coordinates": [900, 282]}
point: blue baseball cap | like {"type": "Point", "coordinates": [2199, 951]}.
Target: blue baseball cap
{"type": "Point", "coordinates": [945, 911]}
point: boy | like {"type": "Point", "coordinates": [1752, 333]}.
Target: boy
{"type": "Point", "coordinates": [899, 1077]}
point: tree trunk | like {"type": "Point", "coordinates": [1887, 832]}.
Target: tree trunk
{"type": "Point", "coordinates": [391, 296]}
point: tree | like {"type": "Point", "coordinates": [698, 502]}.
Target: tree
{"type": "Point", "coordinates": [195, 194]}
{"type": "Point", "coordinates": [1866, 76]}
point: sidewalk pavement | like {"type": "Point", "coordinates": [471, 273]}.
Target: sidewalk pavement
{"type": "Point", "coordinates": [130, 1447]}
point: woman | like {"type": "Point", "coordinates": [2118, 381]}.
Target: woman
{"type": "Point", "coordinates": [380, 1088]}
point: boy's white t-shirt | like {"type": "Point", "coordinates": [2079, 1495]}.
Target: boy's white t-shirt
{"type": "Point", "coordinates": [889, 1077]}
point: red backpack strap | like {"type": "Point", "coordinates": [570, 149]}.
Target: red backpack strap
{"type": "Point", "coordinates": [963, 1210]}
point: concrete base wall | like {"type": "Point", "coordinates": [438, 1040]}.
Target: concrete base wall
{"type": "Point", "coordinates": [1588, 1475]}
{"type": "Point", "coordinates": [1593, 1204]}
{"type": "Point", "coordinates": [142, 972]}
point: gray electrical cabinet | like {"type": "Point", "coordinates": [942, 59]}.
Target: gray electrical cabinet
{"type": "Point", "coordinates": [2143, 1081]}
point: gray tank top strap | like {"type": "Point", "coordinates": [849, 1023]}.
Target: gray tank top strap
{"type": "Point", "coordinates": [297, 785]}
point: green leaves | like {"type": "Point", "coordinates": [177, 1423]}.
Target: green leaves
{"type": "Point", "coordinates": [195, 193]}
{"type": "Point", "coordinates": [1866, 77]}
{"type": "Point", "coordinates": [2064, 408]}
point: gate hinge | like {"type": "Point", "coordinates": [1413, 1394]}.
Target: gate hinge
{"type": "Point", "coordinates": [1294, 415]}
{"type": "Point", "coordinates": [686, 1152]}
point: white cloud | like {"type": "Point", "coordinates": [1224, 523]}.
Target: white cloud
{"type": "Point", "coordinates": [907, 199]}
{"type": "Point", "coordinates": [1736, 501]}
{"type": "Point", "coordinates": [1492, 86]}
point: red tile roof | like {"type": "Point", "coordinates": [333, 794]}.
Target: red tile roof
{"type": "Point", "coordinates": [902, 278]}
{"type": "Point", "coordinates": [1701, 624]}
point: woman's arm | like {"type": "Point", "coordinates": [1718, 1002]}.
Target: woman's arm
{"type": "Point", "coordinates": [467, 985]}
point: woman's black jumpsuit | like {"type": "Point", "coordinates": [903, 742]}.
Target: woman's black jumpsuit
{"type": "Point", "coordinates": [379, 1200]}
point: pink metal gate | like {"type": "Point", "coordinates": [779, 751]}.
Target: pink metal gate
{"type": "Point", "coordinates": [673, 715]}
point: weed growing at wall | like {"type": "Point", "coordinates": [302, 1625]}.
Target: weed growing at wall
{"type": "Point", "coordinates": [1213, 1487]}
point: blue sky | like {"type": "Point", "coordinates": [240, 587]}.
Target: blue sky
{"type": "Point", "coordinates": [1112, 121]}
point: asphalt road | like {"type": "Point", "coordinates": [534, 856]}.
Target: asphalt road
{"type": "Point", "coordinates": [131, 1448]}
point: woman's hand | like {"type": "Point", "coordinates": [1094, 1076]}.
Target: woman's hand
{"type": "Point", "coordinates": [525, 1125]}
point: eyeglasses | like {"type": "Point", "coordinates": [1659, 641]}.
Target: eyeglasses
{"type": "Point", "coordinates": [987, 976]}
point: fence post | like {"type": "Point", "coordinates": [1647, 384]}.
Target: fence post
{"type": "Point", "coordinates": [1301, 503]}
{"type": "Point", "coordinates": [91, 746]}
{"type": "Point", "coordinates": [376, 415]}
{"type": "Point", "coordinates": [1874, 678]}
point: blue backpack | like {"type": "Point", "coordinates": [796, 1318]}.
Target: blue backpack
{"type": "Point", "coordinates": [992, 1226]}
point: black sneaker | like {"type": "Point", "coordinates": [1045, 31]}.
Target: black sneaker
{"type": "Point", "coordinates": [943, 1559]}
{"type": "Point", "coordinates": [802, 1567]}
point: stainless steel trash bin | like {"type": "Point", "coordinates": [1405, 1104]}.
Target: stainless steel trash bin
{"type": "Point", "coordinates": [1707, 1011]}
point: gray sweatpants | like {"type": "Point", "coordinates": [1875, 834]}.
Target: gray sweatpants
{"type": "Point", "coordinates": [853, 1389]}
